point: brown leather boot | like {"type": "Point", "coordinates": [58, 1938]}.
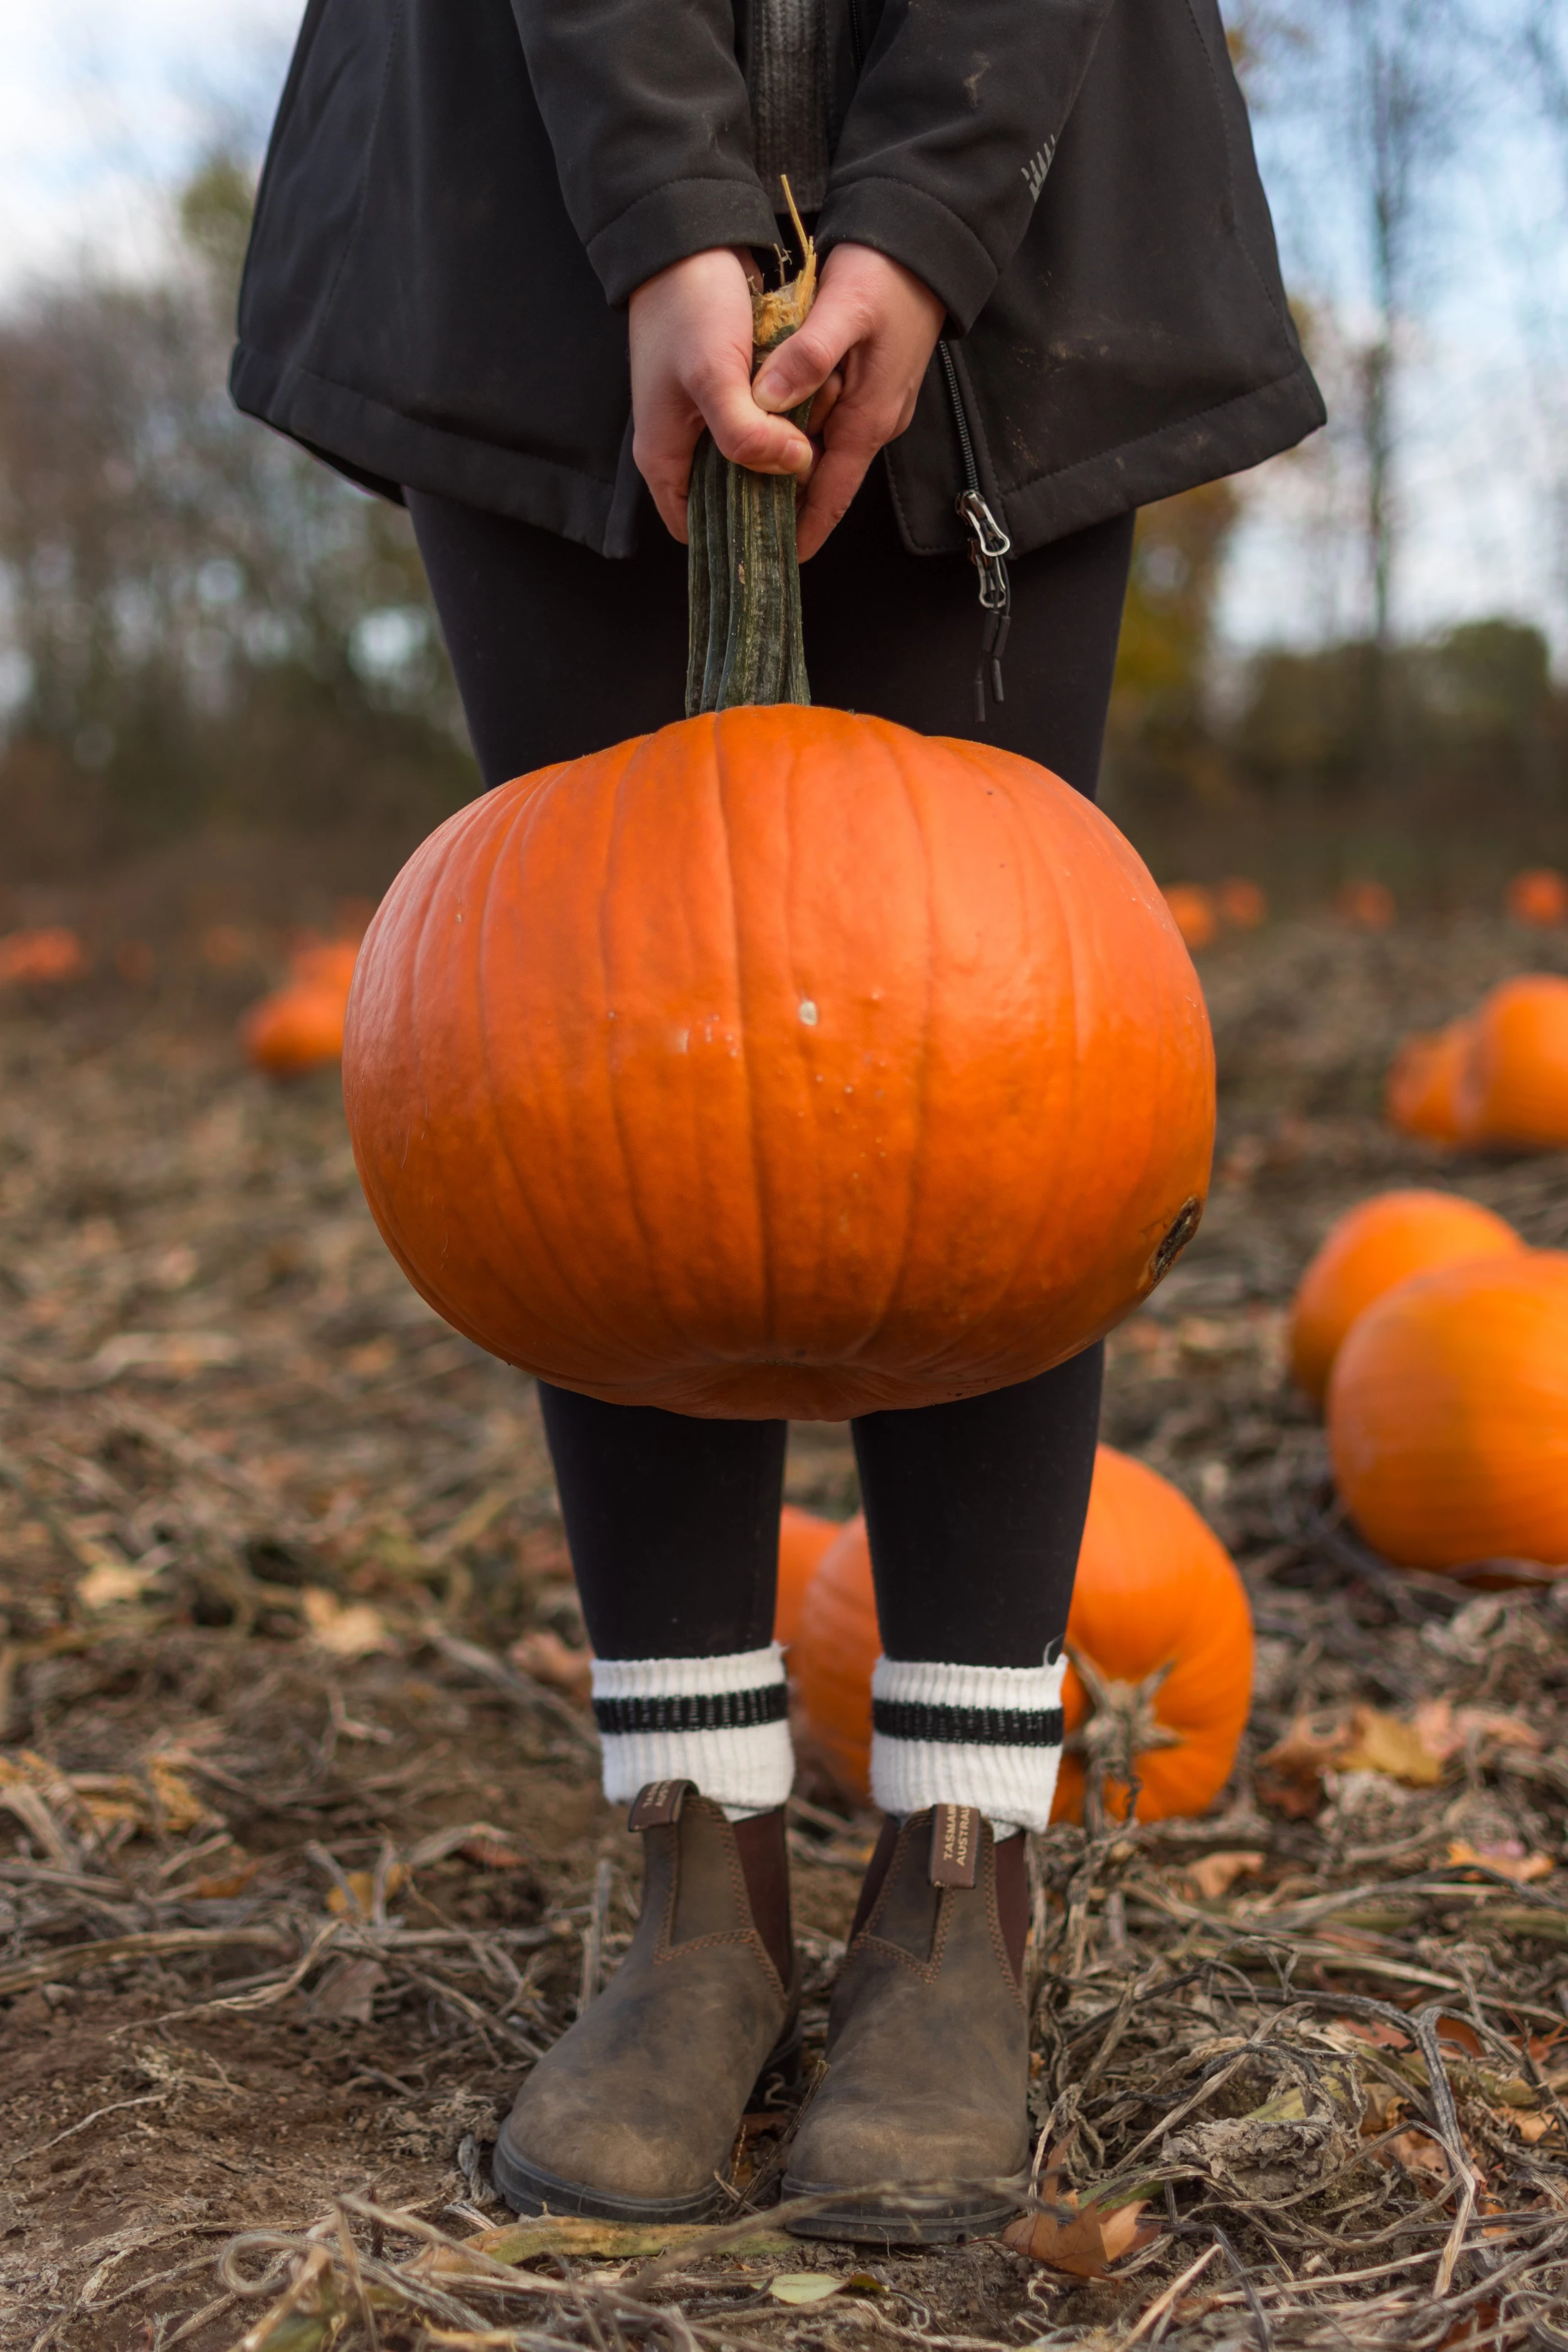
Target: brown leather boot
{"type": "Point", "coordinates": [920, 2124]}
{"type": "Point", "coordinates": [632, 2115]}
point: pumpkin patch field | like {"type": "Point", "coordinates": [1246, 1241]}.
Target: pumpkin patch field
{"type": "Point", "coordinates": [302, 1860]}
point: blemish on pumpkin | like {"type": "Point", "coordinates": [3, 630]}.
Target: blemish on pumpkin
{"type": "Point", "coordinates": [1178, 1234]}
{"type": "Point", "coordinates": [808, 1012]}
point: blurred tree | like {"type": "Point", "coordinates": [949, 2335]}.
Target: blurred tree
{"type": "Point", "coordinates": [1158, 735]}
{"type": "Point", "coordinates": [1477, 707]}
{"type": "Point", "coordinates": [195, 610]}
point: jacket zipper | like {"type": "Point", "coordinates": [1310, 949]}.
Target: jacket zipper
{"type": "Point", "coordinates": [989, 545]}
{"type": "Point", "coordinates": [989, 548]}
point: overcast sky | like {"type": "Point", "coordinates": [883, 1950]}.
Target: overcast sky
{"type": "Point", "coordinates": [103, 104]}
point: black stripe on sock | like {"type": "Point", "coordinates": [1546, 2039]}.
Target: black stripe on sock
{"type": "Point", "coordinates": [973, 1727]}
{"type": "Point", "coordinates": [695, 1711]}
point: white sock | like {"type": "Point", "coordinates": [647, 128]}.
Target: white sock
{"type": "Point", "coordinates": [721, 1722]}
{"type": "Point", "coordinates": [985, 1735]}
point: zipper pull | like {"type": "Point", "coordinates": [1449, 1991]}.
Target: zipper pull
{"type": "Point", "coordinates": [988, 550]}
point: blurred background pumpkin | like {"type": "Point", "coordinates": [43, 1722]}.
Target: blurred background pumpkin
{"type": "Point", "coordinates": [1448, 1414]}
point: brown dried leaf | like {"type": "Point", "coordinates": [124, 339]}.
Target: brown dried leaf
{"type": "Point", "coordinates": [345, 1630]}
{"type": "Point", "coordinates": [1445, 1728]}
{"type": "Point", "coordinates": [1386, 1744]}
{"type": "Point", "coordinates": [1085, 2240]}
{"type": "Point", "coordinates": [1508, 1857]}
{"type": "Point", "coordinates": [360, 1900]}
{"type": "Point", "coordinates": [552, 1661]}
{"type": "Point", "coordinates": [1214, 1874]}
{"type": "Point", "coordinates": [1423, 2158]}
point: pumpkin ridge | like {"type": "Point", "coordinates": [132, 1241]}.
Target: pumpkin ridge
{"type": "Point", "coordinates": [619, 819]}
{"type": "Point", "coordinates": [524, 817]}
{"type": "Point", "coordinates": [764, 1206]}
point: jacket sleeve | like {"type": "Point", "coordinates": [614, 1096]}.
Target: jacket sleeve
{"type": "Point", "coordinates": [950, 133]}
{"type": "Point", "coordinates": [646, 110]}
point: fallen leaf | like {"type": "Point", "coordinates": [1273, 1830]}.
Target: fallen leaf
{"type": "Point", "coordinates": [347, 1990]}
{"type": "Point", "coordinates": [178, 1355]}
{"type": "Point", "coordinates": [1386, 1744]}
{"type": "Point", "coordinates": [1214, 1874]}
{"type": "Point", "coordinates": [1083, 2240]}
{"type": "Point", "coordinates": [1460, 2032]}
{"type": "Point", "coordinates": [1508, 1857]}
{"type": "Point", "coordinates": [112, 1582]}
{"type": "Point", "coordinates": [804, 2287]}
{"type": "Point", "coordinates": [1531, 2127]}
{"type": "Point", "coordinates": [346, 1631]}
{"type": "Point", "coordinates": [1290, 1776]}
{"type": "Point", "coordinates": [549, 1659]}
{"type": "Point", "coordinates": [1445, 1728]}
{"type": "Point", "coordinates": [525, 2242]}
{"type": "Point", "coordinates": [477, 1842]}
{"type": "Point", "coordinates": [1374, 2031]}
{"type": "Point", "coordinates": [230, 1884]}
{"type": "Point", "coordinates": [360, 1900]}
{"type": "Point", "coordinates": [1385, 2106]}
{"type": "Point", "coordinates": [1419, 2156]}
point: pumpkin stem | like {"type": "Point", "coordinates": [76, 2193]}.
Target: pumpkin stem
{"type": "Point", "coordinates": [742, 573]}
{"type": "Point", "coordinates": [1121, 1724]}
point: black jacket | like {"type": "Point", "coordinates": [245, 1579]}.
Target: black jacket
{"type": "Point", "coordinates": [460, 196]}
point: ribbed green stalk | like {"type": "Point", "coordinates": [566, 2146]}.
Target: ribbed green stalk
{"type": "Point", "coordinates": [743, 574]}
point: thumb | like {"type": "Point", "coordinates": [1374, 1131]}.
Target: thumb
{"type": "Point", "coordinates": [801, 366]}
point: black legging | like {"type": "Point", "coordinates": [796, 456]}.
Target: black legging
{"type": "Point", "coordinates": [975, 1510]}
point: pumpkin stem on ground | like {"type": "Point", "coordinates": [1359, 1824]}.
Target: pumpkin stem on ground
{"type": "Point", "coordinates": [742, 573]}
{"type": "Point", "coordinates": [1121, 1724]}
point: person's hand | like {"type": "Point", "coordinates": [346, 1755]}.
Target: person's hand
{"type": "Point", "coordinates": [691, 330]}
{"type": "Point", "coordinates": [862, 354]}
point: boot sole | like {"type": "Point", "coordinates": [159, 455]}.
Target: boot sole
{"type": "Point", "coordinates": [528, 2189]}
{"type": "Point", "coordinates": [885, 2221]}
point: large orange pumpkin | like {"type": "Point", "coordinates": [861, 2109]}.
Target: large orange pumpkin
{"type": "Point", "coordinates": [782, 1062]}
{"type": "Point", "coordinates": [1538, 897]}
{"type": "Point", "coordinates": [1422, 1095]}
{"type": "Point", "coordinates": [1377, 1243]}
{"type": "Point", "coordinates": [1448, 1414]}
{"type": "Point", "coordinates": [1513, 1089]}
{"type": "Point", "coordinates": [1160, 1633]}
{"type": "Point", "coordinates": [803, 1539]}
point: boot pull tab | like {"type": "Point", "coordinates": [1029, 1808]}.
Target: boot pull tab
{"type": "Point", "coordinates": [657, 1804]}
{"type": "Point", "coordinates": [954, 1845]}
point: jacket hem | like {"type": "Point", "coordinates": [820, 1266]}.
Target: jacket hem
{"type": "Point", "coordinates": [385, 451]}
{"type": "Point", "coordinates": [1203, 447]}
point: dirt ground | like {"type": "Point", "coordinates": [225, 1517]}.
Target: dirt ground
{"type": "Point", "coordinates": [299, 1868]}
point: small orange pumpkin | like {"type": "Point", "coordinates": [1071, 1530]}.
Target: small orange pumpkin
{"type": "Point", "coordinates": [297, 1028]}
{"type": "Point", "coordinates": [50, 954]}
{"type": "Point", "coordinates": [1448, 1414]}
{"type": "Point", "coordinates": [325, 963]}
{"type": "Point", "coordinates": [1160, 1631]}
{"type": "Point", "coordinates": [1513, 1089]}
{"type": "Point", "coordinates": [1422, 1092]}
{"type": "Point", "coordinates": [1242, 903]}
{"type": "Point", "coordinates": [1538, 897]}
{"type": "Point", "coordinates": [1365, 905]}
{"type": "Point", "coordinates": [1193, 912]}
{"type": "Point", "coordinates": [803, 1539]}
{"type": "Point", "coordinates": [1377, 1243]}
{"type": "Point", "coordinates": [768, 1065]}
